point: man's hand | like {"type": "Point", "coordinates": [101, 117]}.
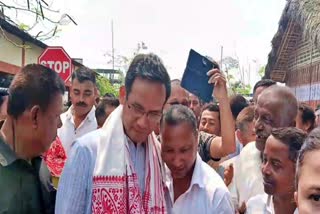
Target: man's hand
{"type": "Point", "coordinates": [242, 209]}
{"type": "Point", "coordinates": [228, 175]}
{"type": "Point", "coordinates": [220, 88]}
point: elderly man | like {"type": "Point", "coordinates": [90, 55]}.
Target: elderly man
{"type": "Point", "coordinates": [276, 107]}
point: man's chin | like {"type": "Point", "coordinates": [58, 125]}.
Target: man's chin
{"type": "Point", "coordinates": [260, 144]}
{"type": "Point", "coordinates": [139, 138]}
{"type": "Point", "coordinates": [178, 175]}
{"type": "Point", "coordinates": [268, 190]}
{"type": "Point", "coordinates": [81, 111]}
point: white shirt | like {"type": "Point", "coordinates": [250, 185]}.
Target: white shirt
{"type": "Point", "coordinates": [247, 180]}
{"type": "Point", "coordinates": [68, 133]}
{"type": "Point", "coordinates": [262, 204]}
{"type": "Point", "coordinates": [207, 193]}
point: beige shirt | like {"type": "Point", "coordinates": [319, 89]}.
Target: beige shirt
{"type": "Point", "coordinates": [247, 180]}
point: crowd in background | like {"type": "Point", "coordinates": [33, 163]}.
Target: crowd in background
{"type": "Point", "coordinates": [156, 148]}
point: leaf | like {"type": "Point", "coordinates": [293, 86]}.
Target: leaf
{"type": "Point", "coordinates": [105, 86]}
{"type": "Point", "coordinates": [23, 26]}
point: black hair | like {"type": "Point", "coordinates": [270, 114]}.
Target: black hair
{"type": "Point", "coordinates": [237, 103]}
{"type": "Point", "coordinates": [312, 143]}
{"type": "Point", "coordinates": [308, 115]}
{"type": "Point", "coordinates": [211, 107]}
{"type": "Point", "coordinates": [178, 114]}
{"type": "Point", "coordinates": [84, 74]}
{"type": "Point", "coordinates": [109, 95]}
{"type": "Point", "coordinates": [263, 83]}
{"type": "Point", "coordinates": [148, 67]}
{"type": "Point", "coordinates": [100, 110]}
{"type": "Point", "coordinates": [291, 137]}
{"type": "Point", "coordinates": [33, 85]}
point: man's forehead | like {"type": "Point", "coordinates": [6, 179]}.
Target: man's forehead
{"type": "Point", "coordinates": [79, 85]}
{"type": "Point", "coordinates": [276, 147]}
{"type": "Point", "coordinates": [193, 97]}
{"type": "Point", "coordinates": [269, 99]}
{"type": "Point", "coordinates": [178, 91]}
{"type": "Point", "coordinates": [207, 113]}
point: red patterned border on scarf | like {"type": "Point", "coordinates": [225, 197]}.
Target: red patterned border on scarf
{"type": "Point", "coordinates": [119, 195]}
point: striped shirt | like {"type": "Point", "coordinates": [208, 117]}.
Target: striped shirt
{"type": "Point", "coordinates": [75, 186]}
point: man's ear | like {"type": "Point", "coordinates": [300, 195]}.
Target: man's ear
{"type": "Point", "coordinates": [239, 135]}
{"type": "Point", "coordinates": [307, 126]}
{"type": "Point", "coordinates": [96, 91]}
{"type": "Point", "coordinates": [122, 94]}
{"type": "Point", "coordinates": [296, 197]}
{"type": "Point", "coordinates": [34, 114]}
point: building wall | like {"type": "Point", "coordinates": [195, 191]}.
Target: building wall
{"type": "Point", "coordinates": [13, 55]}
{"type": "Point", "coordinates": [10, 53]}
{"type": "Point", "coordinates": [303, 75]}
{"type": "Point", "coordinates": [32, 54]}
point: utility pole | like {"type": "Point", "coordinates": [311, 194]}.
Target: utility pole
{"type": "Point", "coordinates": [112, 45]}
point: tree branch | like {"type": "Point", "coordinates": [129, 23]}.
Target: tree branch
{"type": "Point", "coordinates": [27, 10]}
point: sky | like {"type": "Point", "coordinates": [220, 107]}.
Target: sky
{"type": "Point", "coordinates": [170, 28]}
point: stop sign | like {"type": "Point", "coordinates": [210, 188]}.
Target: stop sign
{"type": "Point", "coordinates": [58, 60]}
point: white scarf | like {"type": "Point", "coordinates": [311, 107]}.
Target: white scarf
{"type": "Point", "coordinates": [115, 183]}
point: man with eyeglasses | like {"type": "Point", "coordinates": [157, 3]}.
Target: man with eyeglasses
{"type": "Point", "coordinates": [117, 169]}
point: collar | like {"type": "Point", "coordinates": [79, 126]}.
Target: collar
{"type": "Point", "coordinates": [270, 206]}
{"type": "Point", "coordinates": [198, 178]}
{"type": "Point", "coordinates": [90, 116]}
{"type": "Point", "coordinates": [7, 156]}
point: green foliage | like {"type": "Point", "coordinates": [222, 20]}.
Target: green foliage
{"type": "Point", "coordinates": [261, 71]}
{"type": "Point", "coordinates": [235, 86]}
{"type": "Point", "coordinates": [24, 27]}
{"type": "Point", "coordinates": [240, 88]}
{"type": "Point", "coordinates": [105, 86]}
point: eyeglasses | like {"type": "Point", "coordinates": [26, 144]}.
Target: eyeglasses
{"type": "Point", "coordinates": [153, 116]}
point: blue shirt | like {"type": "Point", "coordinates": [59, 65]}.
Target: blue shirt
{"type": "Point", "coordinates": [75, 186]}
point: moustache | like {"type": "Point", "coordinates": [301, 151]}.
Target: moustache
{"type": "Point", "coordinates": [81, 104]}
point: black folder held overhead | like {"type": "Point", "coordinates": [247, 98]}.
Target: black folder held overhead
{"type": "Point", "coordinates": [195, 79]}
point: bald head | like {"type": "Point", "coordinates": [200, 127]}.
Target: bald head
{"type": "Point", "coordinates": [178, 95]}
{"type": "Point", "coordinates": [283, 97]}
{"type": "Point", "coordinates": [276, 107]}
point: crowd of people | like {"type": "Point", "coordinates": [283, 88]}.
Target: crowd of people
{"type": "Point", "coordinates": [156, 148]}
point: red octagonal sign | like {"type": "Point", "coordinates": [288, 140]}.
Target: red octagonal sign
{"type": "Point", "coordinates": [58, 60]}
